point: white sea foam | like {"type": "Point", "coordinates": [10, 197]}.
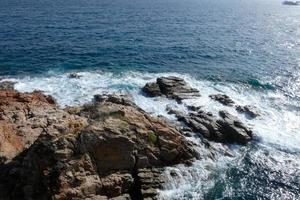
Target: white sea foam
{"type": "Point", "coordinates": [278, 126]}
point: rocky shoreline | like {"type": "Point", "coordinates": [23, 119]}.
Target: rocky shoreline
{"type": "Point", "coordinates": [106, 149]}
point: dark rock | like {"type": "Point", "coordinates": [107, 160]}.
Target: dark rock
{"type": "Point", "coordinates": [222, 98]}
{"type": "Point", "coordinates": [291, 3]}
{"type": "Point", "coordinates": [74, 75]}
{"type": "Point", "coordinates": [250, 111]}
{"type": "Point", "coordinates": [194, 108]}
{"type": "Point", "coordinates": [7, 85]}
{"type": "Point", "coordinates": [152, 89]}
{"type": "Point", "coordinates": [172, 87]}
{"type": "Point", "coordinates": [228, 129]}
{"type": "Point", "coordinates": [233, 130]}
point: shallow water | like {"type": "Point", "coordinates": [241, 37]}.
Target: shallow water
{"type": "Point", "coordinates": [249, 50]}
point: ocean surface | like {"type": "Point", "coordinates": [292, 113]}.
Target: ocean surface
{"type": "Point", "coordinates": [247, 49]}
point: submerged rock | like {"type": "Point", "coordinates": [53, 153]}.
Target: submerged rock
{"type": "Point", "coordinates": [223, 99]}
{"type": "Point", "coordinates": [106, 149]}
{"type": "Point", "coordinates": [172, 87]}
{"type": "Point", "coordinates": [74, 75]}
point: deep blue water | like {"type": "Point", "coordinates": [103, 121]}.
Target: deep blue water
{"type": "Point", "coordinates": [227, 40]}
{"type": "Point", "coordinates": [226, 45]}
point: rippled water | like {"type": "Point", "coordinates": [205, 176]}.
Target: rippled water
{"type": "Point", "coordinates": [249, 50]}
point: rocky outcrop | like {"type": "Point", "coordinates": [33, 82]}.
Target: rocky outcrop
{"type": "Point", "coordinates": [155, 142]}
{"type": "Point", "coordinates": [225, 129]}
{"type": "Point", "coordinates": [223, 99]}
{"type": "Point", "coordinates": [172, 87]}
{"type": "Point", "coordinates": [106, 149]}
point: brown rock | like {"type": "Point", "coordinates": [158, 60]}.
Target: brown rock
{"type": "Point", "coordinates": [111, 152]}
{"type": "Point", "coordinates": [90, 152]}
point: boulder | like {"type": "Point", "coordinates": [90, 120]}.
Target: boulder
{"type": "Point", "coordinates": [172, 87]}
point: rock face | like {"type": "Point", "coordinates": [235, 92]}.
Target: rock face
{"type": "Point", "coordinates": [172, 87]}
{"type": "Point", "coordinates": [106, 149]}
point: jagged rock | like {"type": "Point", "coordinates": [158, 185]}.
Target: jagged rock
{"type": "Point", "coordinates": [172, 87]}
{"type": "Point", "coordinates": [250, 111]}
{"type": "Point", "coordinates": [223, 99]}
{"type": "Point", "coordinates": [89, 152]}
{"type": "Point", "coordinates": [233, 130]}
{"type": "Point", "coordinates": [227, 129]}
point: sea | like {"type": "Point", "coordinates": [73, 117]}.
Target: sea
{"type": "Point", "coordinates": [247, 49]}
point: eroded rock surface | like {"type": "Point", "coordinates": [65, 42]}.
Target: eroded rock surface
{"type": "Point", "coordinates": [172, 87]}
{"type": "Point", "coordinates": [108, 149]}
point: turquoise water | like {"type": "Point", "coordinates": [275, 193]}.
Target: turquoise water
{"type": "Point", "coordinates": [249, 50]}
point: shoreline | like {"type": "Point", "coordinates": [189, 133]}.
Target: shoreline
{"type": "Point", "coordinates": [204, 133]}
{"type": "Point", "coordinates": [111, 133]}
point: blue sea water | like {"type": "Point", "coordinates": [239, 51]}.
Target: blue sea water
{"type": "Point", "coordinates": [248, 49]}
